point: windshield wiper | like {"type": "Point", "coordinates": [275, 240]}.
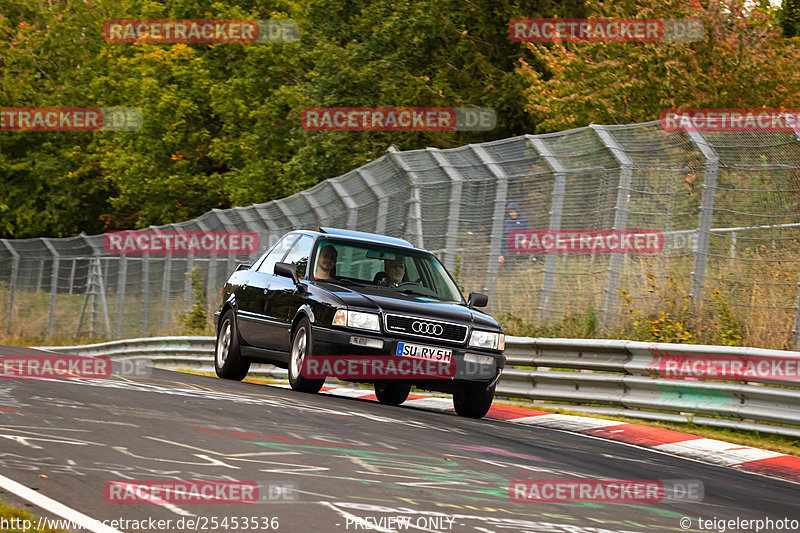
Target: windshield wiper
{"type": "Point", "coordinates": [344, 281]}
{"type": "Point", "coordinates": [417, 293]}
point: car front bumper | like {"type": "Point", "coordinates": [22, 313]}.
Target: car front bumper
{"type": "Point", "coordinates": [467, 375]}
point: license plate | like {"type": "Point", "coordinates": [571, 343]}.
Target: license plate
{"type": "Point", "coordinates": [424, 352]}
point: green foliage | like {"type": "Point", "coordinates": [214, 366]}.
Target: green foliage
{"type": "Point", "coordinates": [195, 320]}
{"type": "Point", "coordinates": [222, 121]}
{"type": "Point", "coordinates": [671, 324]}
{"type": "Point", "coordinates": [730, 331]}
{"type": "Point", "coordinates": [741, 63]}
{"type": "Point", "coordinates": [790, 18]}
{"type": "Point", "coordinates": [580, 325]}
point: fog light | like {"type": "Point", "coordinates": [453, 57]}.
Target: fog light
{"type": "Point", "coordinates": [478, 359]}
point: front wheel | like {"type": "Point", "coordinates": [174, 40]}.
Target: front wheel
{"type": "Point", "coordinates": [228, 360]}
{"type": "Point", "coordinates": [302, 346]}
{"type": "Point", "coordinates": [391, 393]}
{"type": "Point", "coordinates": [474, 404]}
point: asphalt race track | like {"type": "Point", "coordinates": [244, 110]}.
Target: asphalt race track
{"type": "Point", "coordinates": [351, 465]}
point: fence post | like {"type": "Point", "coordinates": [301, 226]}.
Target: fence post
{"type": "Point", "coordinates": [454, 214]}
{"type": "Point", "coordinates": [620, 218]}
{"type": "Point", "coordinates": [706, 213]}
{"type": "Point", "coordinates": [380, 194]}
{"type": "Point", "coordinates": [795, 341]}
{"type": "Point", "coordinates": [796, 329]}
{"type": "Point", "coordinates": [122, 274]}
{"type": "Point", "coordinates": [415, 235]}
{"type": "Point", "coordinates": [13, 282]}
{"type": "Point", "coordinates": [316, 207]}
{"type": "Point", "coordinates": [347, 200]}
{"type": "Point", "coordinates": [53, 286]}
{"type": "Point", "coordinates": [145, 294]}
{"type": "Point", "coordinates": [500, 198]}
{"type": "Point", "coordinates": [556, 211]}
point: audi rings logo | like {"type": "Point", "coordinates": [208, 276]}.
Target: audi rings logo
{"type": "Point", "coordinates": [426, 328]}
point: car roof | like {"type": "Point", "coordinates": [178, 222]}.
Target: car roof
{"type": "Point", "coordinates": [365, 237]}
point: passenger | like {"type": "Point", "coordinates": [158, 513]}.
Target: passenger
{"type": "Point", "coordinates": [326, 262]}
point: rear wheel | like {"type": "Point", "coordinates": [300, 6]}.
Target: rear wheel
{"type": "Point", "coordinates": [474, 404]}
{"type": "Point", "coordinates": [302, 346]}
{"type": "Point", "coordinates": [228, 360]}
{"type": "Point", "coordinates": [391, 393]}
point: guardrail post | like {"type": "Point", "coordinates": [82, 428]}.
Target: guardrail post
{"type": "Point", "coordinates": [53, 286]}
{"type": "Point", "coordinates": [556, 211]}
{"type": "Point", "coordinates": [620, 218]}
{"type": "Point", "coordinates": [454, 214]}
{"type": "Point", "coordinates": [12, 287]}
{"type": "Point", "coordinates": [414, 232]}
{"type": "Point", "coordinates": [498, 217]}
{"type": "Point", "coordinates": [706, 213]}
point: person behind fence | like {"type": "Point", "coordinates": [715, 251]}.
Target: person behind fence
{"type": "Point", "coordinates": [513, 222]}
{"type": "Point", "coordinates": [326, 262]}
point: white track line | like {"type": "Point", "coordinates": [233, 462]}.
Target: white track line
{"type": "Point", "coordinates": [81, 520]}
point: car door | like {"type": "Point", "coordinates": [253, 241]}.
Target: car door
{"type": "Point", "coordinates": [283, 298]}
{"type": "Point", "coordinates": [252, 295]}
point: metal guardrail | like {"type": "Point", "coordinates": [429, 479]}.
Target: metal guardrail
{"type": "Point", "coordinates": [172, 353]}
{"type": "Point", "coordinates": [597, 376]}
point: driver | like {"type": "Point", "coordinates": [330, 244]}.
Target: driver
{"type": "Point", "coordinates": [326, 262]}
{"type": "Point", "coordinates": [395, 270]}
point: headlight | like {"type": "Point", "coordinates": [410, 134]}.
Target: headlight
{"type": "Point", "coordinates": [487, 339]}
{"type": "Point", "coordinates": [356, 319]}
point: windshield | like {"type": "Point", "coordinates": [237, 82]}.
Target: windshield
{"type": "Point", "coordinates": [394, 270]}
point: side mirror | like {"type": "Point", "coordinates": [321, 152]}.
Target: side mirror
{"type": "Point", "coordinates": [242, 267]}
{"type": "Point", "coordinates": [286, 270]}
{"type": "Point", "coordinates": [477, 299]}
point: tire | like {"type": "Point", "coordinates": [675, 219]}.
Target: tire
{"type": "Point", "coordinates": [391, 393]}
{"type": "Point", "coordinates": [473, 404]}
{"type": "Point", "coordinates": [228, 360]}
{"type": "Point", "coordinates": [302, 345]}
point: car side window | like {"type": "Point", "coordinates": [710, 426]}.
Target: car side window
{"type": "Point", "coordinates": [298, 255]}
{"type": "Point", "coordinates": [277, 253]}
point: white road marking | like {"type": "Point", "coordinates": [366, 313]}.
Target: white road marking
{"type": "Point", "coordinates": [84, 522]}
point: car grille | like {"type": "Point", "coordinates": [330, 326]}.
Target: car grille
{"type": "Point", "coordinates": [424, 327]}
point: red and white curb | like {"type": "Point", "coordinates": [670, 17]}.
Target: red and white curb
{"type": "Point", "coordinates": [765, 462]}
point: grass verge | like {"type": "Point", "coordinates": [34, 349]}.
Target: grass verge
{"type": "Point", "coordinates": [12, 516]}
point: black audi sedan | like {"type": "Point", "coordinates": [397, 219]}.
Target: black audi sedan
{"type": "Point", "coordinates": [347, 295]}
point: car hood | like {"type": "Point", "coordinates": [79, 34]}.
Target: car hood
{"type": "Point", "coordinates": [407, 304]}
